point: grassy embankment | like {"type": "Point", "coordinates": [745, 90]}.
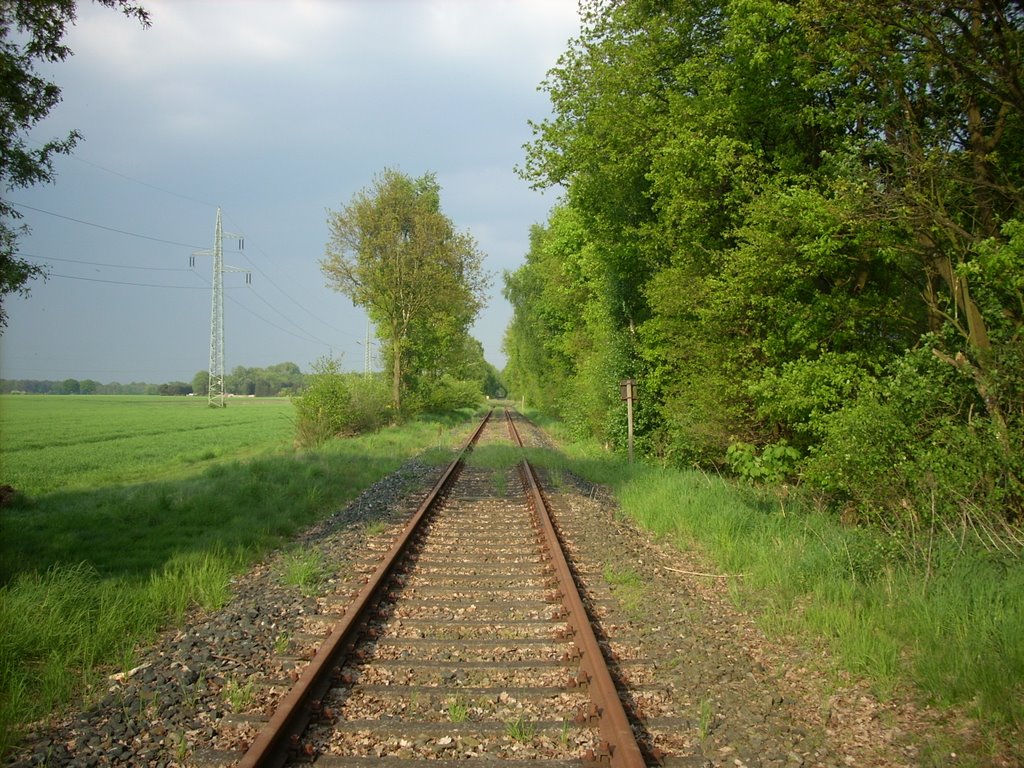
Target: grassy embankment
{"type": "Point", "coordinates": [947, 623]}
{"type": "Point", "coordinates": [133, 510]}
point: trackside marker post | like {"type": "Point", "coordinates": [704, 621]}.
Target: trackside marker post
{"type": "Point", "coordinates": [627, 391]}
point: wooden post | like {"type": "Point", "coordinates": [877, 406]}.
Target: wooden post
{"type": "Point", "coordinates": [627, 391]}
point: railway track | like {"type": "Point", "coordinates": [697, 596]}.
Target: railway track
{"type": "Point", "coordinates": [469, 638]}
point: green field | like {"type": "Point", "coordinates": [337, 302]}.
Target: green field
{"type": "Point", "coordinates": [131, 511]}
{"type": "Point", "coordinates": [62, 442]}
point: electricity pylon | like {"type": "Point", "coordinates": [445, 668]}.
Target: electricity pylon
{"type": "Point", "coordinates": [216, 391]}
{"type": "Point", "coordinates": [367, 350]}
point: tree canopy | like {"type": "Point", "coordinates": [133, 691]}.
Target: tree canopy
{"type": "Point", "coordinates": [31, 32]}
{"type": "Point", "coordinates": [392, 251]}
{"type": "Point", "coordinates": [799, 225]}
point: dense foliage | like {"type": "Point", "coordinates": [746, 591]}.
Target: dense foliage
{"type": "Point", "coordinates": [335, 404]}
{"type": "Point", "coordinates": [31, 33]}
{"type": "Point", "coordinates": [393, 251]}
{"type": "Point", "coordinates": [800, 226]}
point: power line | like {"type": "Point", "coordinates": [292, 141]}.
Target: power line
{"type": "Point", "coordinates": [143, 183]}
{"type": "Point", "coordinates": [310, 337]}
{"type": "Point", "coordinates": [306, 335]}
{"type": "Point", "coordinates": [101, 226]}
{"type": "Point", "coordinates": [275, 325]}
{"type": "Point", "coordinates": [101, 264]}
{"type": "Point", "coordinates": [77, 157]}
{"type": "Point", "coordinates": [120, 282]}
{"type": "Point", "coordinates": [164, 190]}
{"type": "Point", "coordinates": [300, 305]}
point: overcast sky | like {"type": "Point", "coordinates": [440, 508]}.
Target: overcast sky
{"type": "Point", "coordinates": [274, 111]}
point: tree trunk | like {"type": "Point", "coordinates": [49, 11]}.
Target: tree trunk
{"type": "Point", "coordinates": [396, 372]}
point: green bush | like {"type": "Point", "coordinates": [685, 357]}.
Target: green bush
{"type": "Point", "coordinates": [449, 394]}
{"type": "Point", "coordinates": [917, 451]}
{"type": "Point", "coordinates": [796, 396]}
{"type": "Point", "coordinates": [336, 404]}
{"type": "Point", "coordinates": [774, 464]}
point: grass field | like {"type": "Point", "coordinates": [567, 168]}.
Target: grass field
{"type": "Point", "coordinates": [133, 510]}
{"type": "Point", "coordinates": [57, 442]}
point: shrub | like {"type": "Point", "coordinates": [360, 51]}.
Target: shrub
{"type": "Point", "coordinates": [796, 396]}
{"type": "Point", "coordinates": [917, 452]}
{"type": "Point", "coordinates": [335, 404]}
{"type": "Point", "coordinates": [449, 394]}
{"type": "Point", "coordinates": [775, 463]}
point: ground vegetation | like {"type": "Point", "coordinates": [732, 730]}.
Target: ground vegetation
{"type": "Point", "coordinates": [120, 516]}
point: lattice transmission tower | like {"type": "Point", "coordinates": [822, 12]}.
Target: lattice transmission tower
{"type": "Point", "coordinates": [216, 390]}
{"type": "Point", "coordinates": [368, 350]}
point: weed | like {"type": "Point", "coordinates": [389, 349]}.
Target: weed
{"type": "Point", "coordinates": [281, 643]}
{"type": "Point", "coordinates": [303, 568]}
{"type": "Point", "coordinates": [180, 747]}
{"type": "Point", "coordinates": [458, 710]}
{"type": "Point", "coordinates": [239, 695]}
{"type": "Point", "coordinates": [705, 718]}
{"type": "Point", "coordinates": [566, 734]}
{"type": "Point", "coordinates": [374, 528]}
{"type": "Point", "coordinates": [499, 480]}
{"type": "Point", "coordinates": [629, 588]}
{"type": "Point", "coordinates": [190, 693]}
{"type": "Point", "coordinates": [520, 730]}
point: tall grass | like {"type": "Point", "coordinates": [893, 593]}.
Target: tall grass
{"type": "Point", "coordinates": [88, 574]}
{"type": "Point", "coordinates": [950, 625]}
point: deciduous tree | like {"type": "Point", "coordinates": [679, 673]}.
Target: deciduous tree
{"type": "Point", "coordinates": [392, 251]}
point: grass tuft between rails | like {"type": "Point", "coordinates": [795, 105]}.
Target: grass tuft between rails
{"type": "Point", "coordinates": [88, 574]}
{"type": "Point", "coordinates": [948, 625]}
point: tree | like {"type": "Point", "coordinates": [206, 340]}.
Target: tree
{"type": "Point", "coordinates": [38, 27]}
{"type": "Point", "coordinates": [201, 382]}
{"type": "Point", "coordinates": [392, 251]}
{"type": "Point", "coordinates": [782, 216]}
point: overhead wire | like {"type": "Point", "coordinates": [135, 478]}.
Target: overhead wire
{"type": "Point", "coordinates": [121, 282]}
{"type": "Point", "coordinates": [234, 300]}
{"type": "Point", "coordinates": [280, 290]}
{"type": "Point", "coordinates": [101, 264]}
{"type": "Point", "coordinates": [78, 158]}
{"type": "Point", "coordinates": [307, 336]}
{"type": "Point", "coordinates": [102, 226]}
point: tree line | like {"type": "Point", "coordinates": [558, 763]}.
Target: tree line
{"type": "Point", "coordinates": [278, 380]}
{"type": "Point", "coordinates": [799, 226]}
{"type": "Point", "coordinates": [90, 387]}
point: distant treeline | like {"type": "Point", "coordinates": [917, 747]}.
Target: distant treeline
{"type": "Point", "coordinates": [90, 387]}
{"type": "Point", "coordinates": [275, 380]}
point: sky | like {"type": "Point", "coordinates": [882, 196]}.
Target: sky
{"type": "Point", "coordinates": [275, 112]}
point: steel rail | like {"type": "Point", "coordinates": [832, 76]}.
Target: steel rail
{"type": "Point", "coordinates": [280, 736]}
{"type": "Point", "coordinates": [619, 745]}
